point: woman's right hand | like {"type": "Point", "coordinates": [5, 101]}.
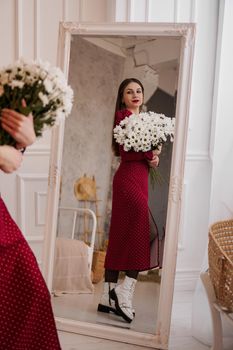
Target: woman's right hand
{"type": "Point", "coordinates": [10, 159]}
{"type": "Point", "coordinates": [20, 127]}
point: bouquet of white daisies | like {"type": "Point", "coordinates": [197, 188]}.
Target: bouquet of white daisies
{"type": "Point", "coordinates": [44, 90]}
{"type": "Point", "coordinates": [145, 132]}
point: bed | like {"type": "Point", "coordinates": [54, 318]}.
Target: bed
{"type": "Point", "coordinates": [73, 257]}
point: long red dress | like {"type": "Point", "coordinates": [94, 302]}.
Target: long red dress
{"type": "Point", "coordinates": [133, 236]}
{"type": "Point", "coordinates": [26, 317]}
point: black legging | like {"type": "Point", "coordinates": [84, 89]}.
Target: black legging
{"type": "Point", "coordinates": [112, 275]}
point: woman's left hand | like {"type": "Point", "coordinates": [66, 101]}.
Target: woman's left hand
{"type": "Point", "coordinates": [19, 126]}
{"type": "Point", "coordinates": [158, 150]}
{"type": "Point", "coordinates": [154, 162]}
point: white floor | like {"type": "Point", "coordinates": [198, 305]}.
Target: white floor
{"type": "Point", "coordinates": [82, 307]}
{"type": "Point", "coordinates": [180, 336]}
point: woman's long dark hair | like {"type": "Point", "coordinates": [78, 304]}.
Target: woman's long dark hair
{"type": "Point", "coordinates": [120, 105]}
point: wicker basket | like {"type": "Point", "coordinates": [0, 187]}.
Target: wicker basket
{"type": "Point", "coordinates": [220, 254]}
{"type": "Point", "coordinates": [98, 266]}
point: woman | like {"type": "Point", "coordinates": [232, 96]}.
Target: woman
{"type": "Point", "coordinates": [26, 318]}
{"type": "Point", "coordinates": [133, 238]}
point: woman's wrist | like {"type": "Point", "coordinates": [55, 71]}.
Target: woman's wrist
{"type": "Point", "coordinates": [20, 147]}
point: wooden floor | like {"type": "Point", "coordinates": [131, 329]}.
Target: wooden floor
{"type": "Point", "coordinates": [180, 336]}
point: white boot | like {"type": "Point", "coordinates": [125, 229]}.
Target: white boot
{"type": "Point", "coordinates": [106, 304]}
{"type": "Point", "coordinates": [123, 295]}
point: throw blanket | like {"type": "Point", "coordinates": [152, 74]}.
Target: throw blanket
{"type": "Point", "coordinates": [71, 273]}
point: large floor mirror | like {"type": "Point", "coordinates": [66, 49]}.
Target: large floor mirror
{"type": "Point", "coordinates": [95, 59]}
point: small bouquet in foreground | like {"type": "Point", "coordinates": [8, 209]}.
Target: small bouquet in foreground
{"type": "Point", "coordinates": [44, 90]}
{"type": "Point", "coordinates": [144, 132]}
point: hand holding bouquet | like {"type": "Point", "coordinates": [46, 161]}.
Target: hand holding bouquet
{"type": "Point", "coordinates": [37, 89]}
{"type": "Point", "coordinates": [145, 132]}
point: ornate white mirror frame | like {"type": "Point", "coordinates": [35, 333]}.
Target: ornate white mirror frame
{"type": "Point", "coordinates": [186, 33]}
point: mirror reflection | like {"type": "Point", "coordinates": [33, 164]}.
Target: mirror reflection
{"type": "Point", "coordinates": [107, 203]}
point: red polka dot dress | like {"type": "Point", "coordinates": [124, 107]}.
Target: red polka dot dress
{"type": "Point", "coordinates": [133, 236]}
{"type": "Point", "coordinates": [26, 317]}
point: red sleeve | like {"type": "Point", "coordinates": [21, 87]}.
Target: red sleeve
{"type": "Point", "coordinates": [132, 155]}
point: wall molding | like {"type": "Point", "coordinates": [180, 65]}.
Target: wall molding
{"type": "Point", "coordinates": [193, 12]}
{"type": "Point", "coordinates": [132, 7]}
{"type": "Point", "coordinates": [197, 156]}
{"type": "Point", "coordinates": [35, 239]}
{"type": "Point", "coordinates": [39, 216]}
{"type": "Point", "coordinates": [186, 279]}
{"type": "Point", "coordinates": [36, 29]}
{"type": "Point", "coordinates": [147, 10]}
{"type": "Point", "coordinates": [175, 15]}
{"type": "Point", "coordinates": [64, 10]}
{"type": "Point", "coordinates": [41, 150]}
{"type": "Point", "coordinates": [80, 7]}
{"type": "Point", "coordinates": [129, 8]}
{"type": "Point", "coordinates": [22, 180]}
{"type": "Point", "coordinates": [130, 4]}
{"type": "Point", "coordinates": [18, 29]}
{"type": "Point", "coordinates": [111, 11]}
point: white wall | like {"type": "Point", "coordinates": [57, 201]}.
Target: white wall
{"type": "Point", "coordinates": [30, 28]}
{"type": "Point", "coordinates": [221, 146]}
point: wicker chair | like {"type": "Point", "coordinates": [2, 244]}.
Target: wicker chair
{"type": "Point", "coordinates": [218, 280]}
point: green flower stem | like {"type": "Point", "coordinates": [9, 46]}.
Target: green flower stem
{"type": "Point", "coordinates": [155, 177]}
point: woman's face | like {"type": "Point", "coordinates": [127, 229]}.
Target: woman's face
{"type": "Point", "coordinates": [133, 96]}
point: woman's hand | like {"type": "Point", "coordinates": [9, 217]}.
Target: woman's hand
{"type": "Point", "coordinates": [19, 126]}
{"type": "Point", "coordinates": [157, 151]}
{"type": "Point", "coordinates": [10, 159]}
{"type": "Point", "coordinates": [154, 162]}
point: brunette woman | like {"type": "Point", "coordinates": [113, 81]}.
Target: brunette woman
{"type": "Point", "coordinates": [133, 238]}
